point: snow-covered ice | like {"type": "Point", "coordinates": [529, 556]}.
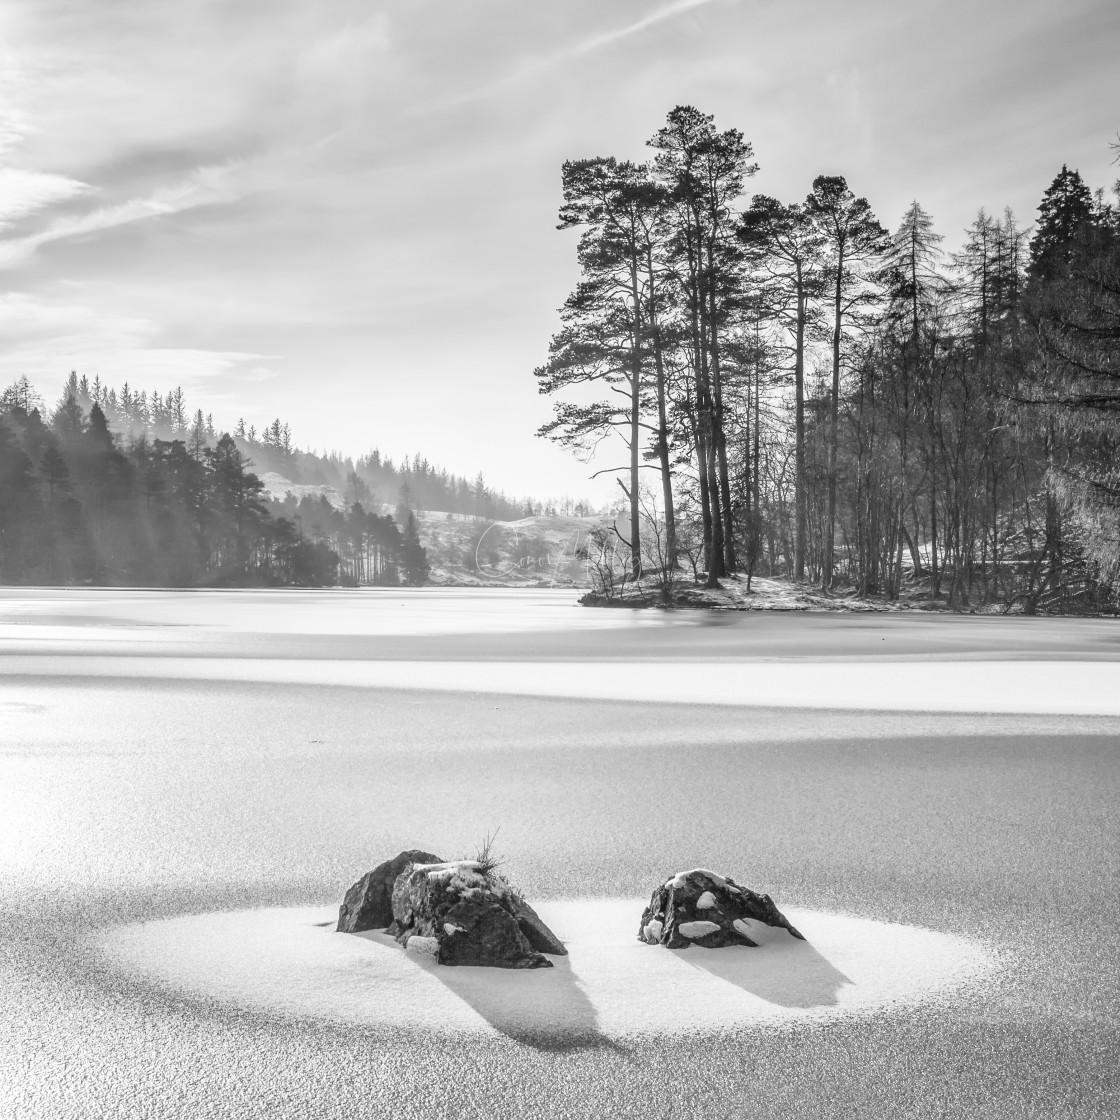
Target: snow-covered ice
{"type": "Point", "coordinates": [1024, 687]}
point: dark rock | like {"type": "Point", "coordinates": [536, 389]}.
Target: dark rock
{"type": "Point", "coordinates": [702, 908]}
{"type": "Point", "coordinates": [462, 914]}
{"type": "Point", "coordinates": [369, 902]}
{"type": "Point", "coordinates": [539, 936]}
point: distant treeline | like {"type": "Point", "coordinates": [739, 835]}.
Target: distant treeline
{"type": "Point", "coordinates": [811, 395]}
{"type": "Point", "coordinates": [81, 504]}
{"type": "Point", "coordinates": [371, 479]}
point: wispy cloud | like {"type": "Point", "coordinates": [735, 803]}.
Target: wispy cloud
{"type": "Point", "coordinates": [532, 67]}
{"type": "Point", "coordinates": [45, 339]}
{"type": "Point", "coordinates": [206, 186]}
{"type": "Point", "coordinates": [338, 51]}
{"type": "Point", "coordinates": [596, 42]}
{"type": "Point", "coordinates": [25, 192]}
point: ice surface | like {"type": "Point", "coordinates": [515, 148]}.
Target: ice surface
{"type": "Point", "coordinates": [1025, 687]}
{"type": "Point", "coordinates": [141, 791]}
{"type": "Point", "coordinates": [284, 961]}
{"type": "Point", "coordinates": [111, 613]}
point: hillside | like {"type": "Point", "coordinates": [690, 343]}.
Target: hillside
{"type": "Point", "coordinates": [539, 550]}
{"type": "Point", "coordinates": [470, 551]}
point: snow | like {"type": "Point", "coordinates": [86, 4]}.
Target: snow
{"type": "Point", "coordinates": [694, 930]}
{"type": "Point", "coordinates": [463, 873]}
{"type": "Point", "coordinates": [422, 946]}
{"type": "Point", "coordinates": [682, 877]}
{"type": "Point", "coordinates": [753, 929]}
{"type": "Point", "coordinates": [652, 931]}
{"type": "Point", "coordinates": [450, 867]}
{"type": "Point", "coordinates": [1021, 687]}
{"type": "Point", "coordinates": [285, 962]}
{"type": "Point", "coordinates": [706, 901]}
{"type": "Point", "coordinates": [277, 488]}
{"type": "Point", "coordinates": [449, 928]}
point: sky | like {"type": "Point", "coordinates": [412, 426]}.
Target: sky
{"type": "Point", "coordinates": [344, 214]}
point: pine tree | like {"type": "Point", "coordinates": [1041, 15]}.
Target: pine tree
{"type": "Point", "coordinates": [704, 170]}
{"type": "Point", "coordinates": [856, 245]}
{"type": "Point", "coordinates": [20, 394]}
{"type": "Point", "coordinates": [415, 568]}
{"type": "Point", "coordinates": [1066, 206]}
{"type": "Point", "coordinates": [786, 249]}
{"type": "Point", "coordinates": [609, 339]}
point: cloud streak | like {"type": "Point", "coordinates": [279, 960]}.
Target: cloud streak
{"type": "Point", "coordinates": [23, 193]}
{"type": "Point", "coordinates": [533, 67]}
{"type": "Point", "coordinates": [597, 42]}
{"type": "Point", "coordinates": [207, 186]}
{"type": "Point", "coordinates": [44, 340]}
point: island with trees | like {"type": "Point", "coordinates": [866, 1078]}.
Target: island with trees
{"type": "Point", "coordinates": [799, 391]}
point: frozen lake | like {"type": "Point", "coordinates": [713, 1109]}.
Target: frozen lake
{"type": "Point", "coordinates": [174, 764]}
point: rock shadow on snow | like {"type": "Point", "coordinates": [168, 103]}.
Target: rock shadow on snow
{"type": "Point", "coordinates": [781, 970]}
{"type": "Point", "coordinates": [546, 1009]}
{"type": "Point", "coordinates": [462, 922]}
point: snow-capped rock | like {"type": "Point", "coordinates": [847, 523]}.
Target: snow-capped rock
{"type": "Point", "coordinates": [456, 912]}
{"type": "Point", "coordinates": [469, 912]}
{"type": "Point", "coordinates": [700, 907]}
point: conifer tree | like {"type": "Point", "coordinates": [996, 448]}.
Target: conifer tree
{"type": "Point", "coordinates": [415, 568]}
{"type": "Point", "coordinates": [856, 244]}
{"type": "Point", "coordinates": [786, 248]}
{"type": "Point", "coordinates": [1066, 206]}
{"type": "Point", "coordinates": [704, 171]}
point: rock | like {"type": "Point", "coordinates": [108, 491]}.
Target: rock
{"type": "Point", "coordinates": [369, 902]}
{"type": "Point", "coordinates": [470, 912]}
{"type": "Point", "coordinates": [702, 908]}
{"type": "Point", "coordinates": [539, 936]}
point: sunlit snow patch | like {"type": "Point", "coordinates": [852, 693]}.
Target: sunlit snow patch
{"type": "Point", "coordinates": [288, 962]}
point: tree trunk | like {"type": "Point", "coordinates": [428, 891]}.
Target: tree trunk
{"type": "Point", "coordinates": [635, 466]}
{"type": "Point", "coordinates": [801, 527]}
{"type": "Point", "coordinates": [670, 557]}
{"type": "Point", "coordinates": [635, 425]}
{"type": "Point", "coordinates": [720, 443]}
{"type": "Point", "coordinates": [834, 430]}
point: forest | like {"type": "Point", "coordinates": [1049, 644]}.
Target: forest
{"type": "Point", "coordinates": [804, 393]}
{"type": "Point", "coordinates": [170, 502]}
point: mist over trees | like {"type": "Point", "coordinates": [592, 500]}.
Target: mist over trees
{"type": "Point", "coordinates": [166, 500]}
{"type": "Point", "coordinates": [372, 477]}
{"type": "Point", "coordinates": [826, 399]}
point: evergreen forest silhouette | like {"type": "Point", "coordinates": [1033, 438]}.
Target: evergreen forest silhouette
{"type": "Point", "coordinates": [117, 488]}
